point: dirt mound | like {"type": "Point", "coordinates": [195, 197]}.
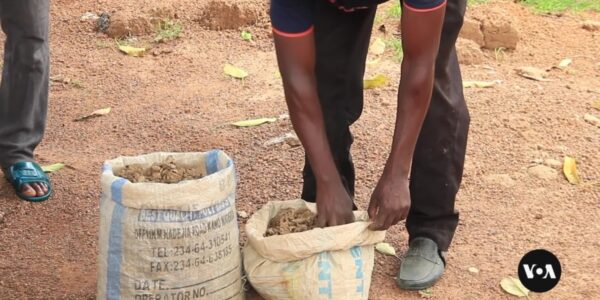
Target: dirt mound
{"type": "Point", "coordinates": [471, 30]}
{"type": "Point", "coordinates": [165, 172]}
{"type": "Point", "coordinates": [122, 25]}
{"type": "Point", "coordinates": [221, 15]}
{"type": "Point", "coordinates": [500, 29]}
{"type": "Point", "coordinates": [469, 52]}
{"type": "Point", "coordinates": [291, 220]}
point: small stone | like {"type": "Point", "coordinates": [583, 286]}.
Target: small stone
{"type": "Point", "coordinates": [542, 172]}
{"type": "Point", "coordinates": [591, 25]}
{"type": "Point", "coordinates": [538, 216]}
{"type": "Point", "coordinates": [473, 270]}
{"type": "Point", "coordinates": [242, 214]}
{"type": "Point", "coordinates": [553, 163]}
{"type": "Point", "coordinates": [1, 217]}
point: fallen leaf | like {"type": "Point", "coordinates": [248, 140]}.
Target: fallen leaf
{"type": "Point", "coordinates": [246, 36]}
{"type": "Point", "coordinates": [371, 62]}
{"type": "Point", "coordinates": [479, 84]}
{"type": "Point", "coordinates": [375, 82]}
{"type": "Point", "coordinates": [532, 73]}
{"type": "Point", "coordinates": [53, 168]}
{"type": "Point", "coordinates": [385, 248]}
{"type": "Point", "coordinates": [514, 287]}
{"type": "Point", "coordinates": [596, 105]}
{"type": "Point", "coordinates": [290, 138]}
{"type": "Point", "coordinates": [96, 113]}
{"type": "Point", "coordinates": [592, 119]}
{"type": "Point", "coordinates": [570, 170]}
{"type": "Point", "coordinates": [426, 293]}
{"type": "Point", "coordinates": [254, 122]}
{"type": "Point", "coordinates": [473, 270]}
{"type": "Point", "coordinates": [378, 47]}
{"type": "Point", "coordinates": [564, 63]}
{"type": "Point", "coordinates": [234, 71]}
{"type": "Point", "coordinates": [132, 51]}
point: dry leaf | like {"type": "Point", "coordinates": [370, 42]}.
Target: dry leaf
{"type": "Point", "coordinates": [596, 105]}
{"type": "Point", "coordinates": [53, 168]}
{"type": "Point", "coordinates": [290, 138]}
{"type": "Point", "coordinates": [479, 84]}
{"type": "Point", "coordinates": [254, 122]}
{"type": "Point", "coordinates": [234, 71]}
{"type": "Point", "coordinates": [570, 170]}
{"type": "Point", "coordinates": [385, 248]}
{"type": "Point", "coordinates": [564, 63]}
{"type": "Point", "coordinates": [532, 73]}
{"type": "Point", "coordinates": [513, 286]}
{"type": "Point", "coordinates": [375, 82]}
{"type": "Point", "coordinates": [378, 47]}
{"type": "Point", "coordinates": [592, 119]}
{"type": "Point", "coordinates": [473, 270]}
{"type": "Point", "coordinates": [96, 113]}
{"type": "Point", "coordinates": [132, 51]}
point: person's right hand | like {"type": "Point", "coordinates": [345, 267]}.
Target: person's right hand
{"type": "Point", "coordinates": [334, 205]}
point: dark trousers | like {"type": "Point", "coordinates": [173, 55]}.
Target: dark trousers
{"type": "Point", "coordinates": [342, 42]}
{"type": "Point", "coordinates": [24, 87]}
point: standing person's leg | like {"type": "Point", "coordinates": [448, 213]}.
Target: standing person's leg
{"type": "Point", "coordinates": [24, 92]}
{"type": "Point", "coordinates": [438, 163]}
{"type": "Point", "coordinates": [342, 43]}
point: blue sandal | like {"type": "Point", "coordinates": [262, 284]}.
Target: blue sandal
{"type": "Point", "coordinates": [25, 173]}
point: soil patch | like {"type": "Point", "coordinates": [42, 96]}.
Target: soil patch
{"type": "Point", "coordinates": [165, 172]}
{"type": "Point", "coordinates": [291, 220]}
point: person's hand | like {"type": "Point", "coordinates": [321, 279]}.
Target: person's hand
{"type": "Point", "coordinates": [390, 202]}
{"type": "Point", "coordinates": [334, 205]}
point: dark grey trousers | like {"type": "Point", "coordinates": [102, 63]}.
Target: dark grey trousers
{"type": "Point", "coordinates": [342, 43]}
{"type": "Point", "coordinates": [24, 88]}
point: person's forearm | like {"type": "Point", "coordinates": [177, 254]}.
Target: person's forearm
{"type": "Point", "coordinates": [414, 95]}
{"type": "Point", "coordinates": [307, 118]}
{"type": "Point", "coordinates": [296, 59]}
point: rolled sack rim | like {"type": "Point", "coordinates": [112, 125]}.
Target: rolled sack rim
{"type": "Point", "coordinates": [300, 245]}
{"type": "Point", "coordinates": [187, 195]}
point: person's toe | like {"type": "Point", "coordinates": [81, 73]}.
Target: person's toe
{"type": "Point", "coordinates": [38, 189]}
{"type": "Point", "coordinates": [44, 188]}
{"type": "Point", "coordinates": [28, 191]}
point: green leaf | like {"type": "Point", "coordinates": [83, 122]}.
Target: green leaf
{"type": "Point", "coordinates": [53, 168]}
{"type": "Point", "coordinates": [513, 286]}
{"type": "Point", "coordinates": [385, 248]}
{"type": "Point", "coordinates": [375, 82]}
{"type": "Point", "coordinates": [234, 72]}
{"type": "Point", "coordinates": [426, 293]}
{"type": "Point", "coordinates": [96, 113]}
{"type": "Point", "coordinates": [132, 51]}
{"type": "Point", "coordinates": [254, 122]}
{"type": "Point", "coordinates": [246, 36]}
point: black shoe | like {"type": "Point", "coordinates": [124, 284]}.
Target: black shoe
{"type": "Point", "coordinates": [422, 267]}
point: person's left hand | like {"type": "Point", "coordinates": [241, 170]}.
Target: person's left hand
{"type": "Point", "coordinates": [390, 202]}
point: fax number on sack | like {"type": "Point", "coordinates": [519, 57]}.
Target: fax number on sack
{"type": "Point", "coordinates": [185, 264]}
{"type": "Point", "coordinates": [197, 248]}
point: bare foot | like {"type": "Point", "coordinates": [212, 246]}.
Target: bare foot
{"type": "Point", "coordinates": [36, 189]}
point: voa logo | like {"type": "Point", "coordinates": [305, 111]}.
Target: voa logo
{"type": "Point", "coordinates": [534, 270]}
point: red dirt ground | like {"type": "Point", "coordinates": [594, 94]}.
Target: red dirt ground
{"type": "Point", "coordinates": [181, 101]}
